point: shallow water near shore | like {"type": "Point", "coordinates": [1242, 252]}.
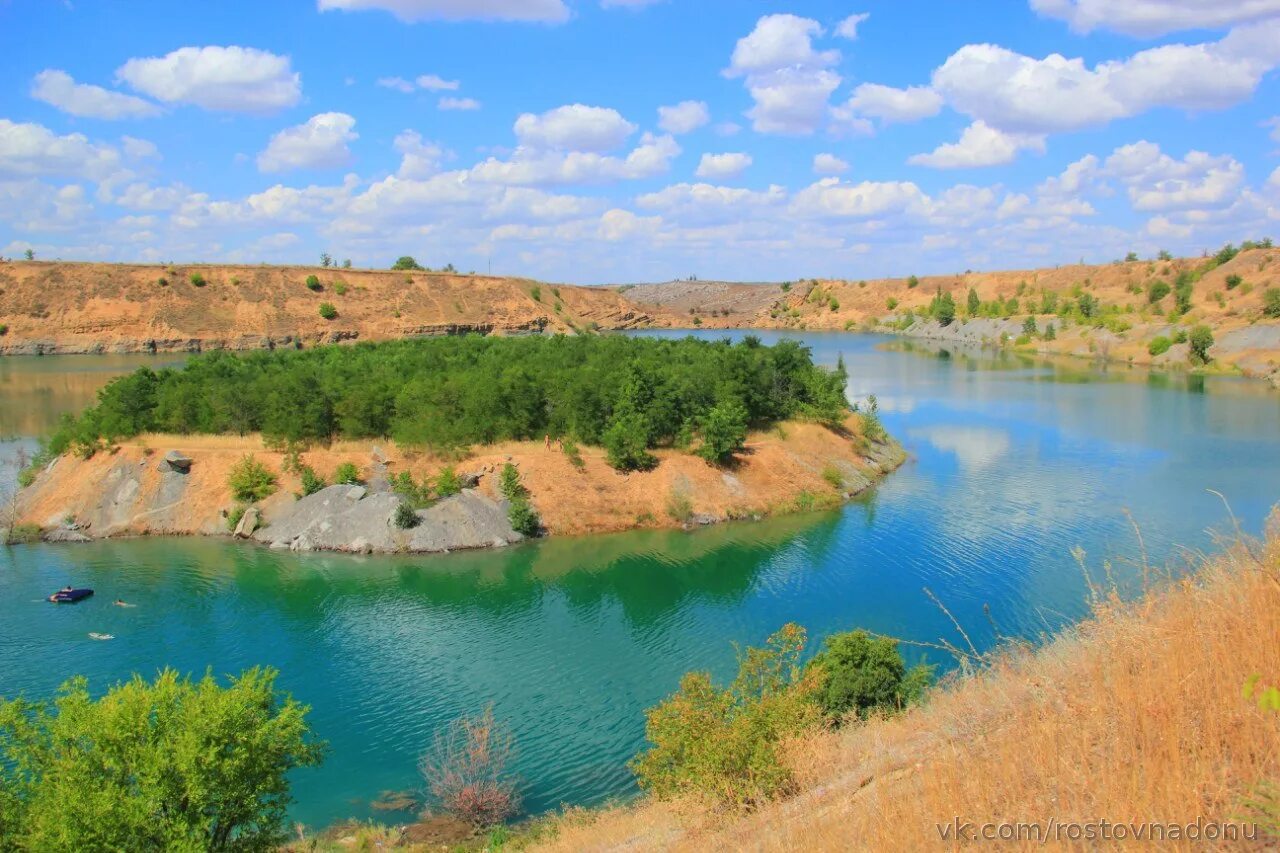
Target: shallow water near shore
{"type": "Point", "coordinates": [1014, 461]}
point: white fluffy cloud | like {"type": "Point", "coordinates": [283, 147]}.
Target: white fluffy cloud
{"type": "Point", "coordinates": [574, 127]}
{"type": "Point", "coordinates": [723, 166]}
{"type": "Point", "coordinates": [848, 28]}
{"type": "Point", "coordinates": [1019, 94]}
{"type": "Point", "coordinates": [684, 117]}
{"type": "Point", "coordinates": [895, 105]}
{"type": "Point", "coordinates": [320, 143]}
{"type": "Point", "coordinates": [790, 82]}
{"type": "Point", "coordinates": [1157, 182]}
{"type": "Point", "coordinates": [539, 167]}
{"type": "Point", "coordinates": [436, 83]}
{"type": "Point", "coordinates": [1155, 17]}
{"type": "Point", "coordinates": [829, 164]}
{"type": "Point", "coordinates": [230, 79]}
{"type": "Point", "coordinates": [418, 159]}
{"type": "Point", "coordinates": [60, 90]}
{"type": "Point", "coordinates": [979, 145]}
{"type": "Point", "coordinates": [830, 198]}
{"type": "Point", "coordinates": [550, 11]}
{"type": "Point", "coordinates": [33, 149]}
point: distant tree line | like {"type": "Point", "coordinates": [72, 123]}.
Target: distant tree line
{"type": "Point", "coordinates": [627, 394]}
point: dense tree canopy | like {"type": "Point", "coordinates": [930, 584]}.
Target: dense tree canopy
{"type": "Point", "coordinates": [629, 394]}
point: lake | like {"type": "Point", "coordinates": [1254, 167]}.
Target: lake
{"type": "Point", "coordinates": [1014, 462]}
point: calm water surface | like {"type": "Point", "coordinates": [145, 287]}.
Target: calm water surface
{"type": "Point", "coordinates": [1013, 463]}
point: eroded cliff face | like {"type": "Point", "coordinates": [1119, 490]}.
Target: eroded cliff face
{"type": "Point", "coordinates": [70, 308]}
{"type": "Point", "coordinates": [179, 485]}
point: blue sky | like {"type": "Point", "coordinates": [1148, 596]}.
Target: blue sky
{"type": "Point", "coordinates": [632, 140]}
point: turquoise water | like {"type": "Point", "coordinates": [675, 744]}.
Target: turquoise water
{"type": "Point", "coordinates": [1014, 463]}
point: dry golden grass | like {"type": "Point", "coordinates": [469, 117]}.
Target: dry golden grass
{"type": "Point", "coordinates": [1135, 715]}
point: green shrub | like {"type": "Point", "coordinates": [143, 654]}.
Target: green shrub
{"type": "Point", "coordinates": [166, 765]}
{"type": "Point", "coordinates": [626, 441]}
{"type": "Point", "coordinates": [536, 293]}
{"type": "Point", "coordinates": [724, 432]}
{"type": "Point", "coordinates": [1050, 333]}
{"type": "Point", "coordinates": [679, 506]}
{"type": "Point", "coordinates": [313, 283]}
{"type": "Point", "coordinates": [1157, 290]}
{"type": "Point", "coordinates": [406, 518]}
{"type": "Point", "coordinates": [1234, 281]}
{"type": "Point", "coordinates": [448, 482]}
{"type": "Point", "coordinates": [862, 675]}
{"type": "Point", "coordinates": [509, 483]}
{"type": "Point", "coordinates": [251, 481]}
{"type": "Point", "coordinates": [233, 518]}
{"type": "Point", "coordinates": [327, 311]}
{"type": "Point", "coordinates": [1029, 327]}
{"type": "Point", "coordinates": [19, 534]}
{"type": "Point", "coordinates": [1159, 345]}
{"type": "Point", "coordinates": [198, 280]}
{"type": "Point", "coordinates": [891, 303]}
{"type": "Point", "coordinates": [872, 428]}
{"type": "Point", "coordinates": [524, 518]}
{"type": "Point", "coordinates": [162, 281]}
{"type": "Point", "coordinates": [1179, 336]}
{"type": "Point", "coordinates": [834, 478]}
{"type": "Point", "coordinates": [311, 481]}
{"type": "Point", "coordinates": [406, 262]}
{"type": "Point", "coordinates": [724, 744]}
{"type": "Point", "coordinates": [1271, 302]}
{"type": "Point", "coordinates": [340, 288]}
{"type": "Point", "coordinates": [913, 282]}
{"type": "Point", "coordinates": [347, 474]}
{"type": "Point", "coordinates": [1200, 341]}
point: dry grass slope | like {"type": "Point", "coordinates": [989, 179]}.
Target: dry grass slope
{"type": "Point", "coordinates": [1136, 715]}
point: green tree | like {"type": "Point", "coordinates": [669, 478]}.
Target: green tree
{"type": "Point", "coordinates": [251, 481]}
{"type": "Point", "coordinates": [724, 432]}
{"type": "Point", "coordinates": [1088, 305]}
{"type": "Point", "coordinates": [1050, 333]}
{"type": "Point", "coordinates": [1029, 326]}
{"type": "Point", "coordinates": [626, 442]}
{"type": "Point", "coordinates": [326, 260]}
{"type": "Point", "coordinates": [724, 743]}
{"type": "Point", "coordinates": [974, 304]}
{"type": "Point", "coordinates": [328, 311]}
{"type": "Point", "coordinates": [1200, 340]}
{"type": "Point", "coordinates": [447, 482]}
{"type": "Point", "coordinates": [174, 764]}
{"type": "Point", "coordinates": [1164, 255]}
{"type": "Point", "coordinates": [1157, 290]}
{"type": "Point", "coordinates": [311, 481]}
{"type": "Point", "coordinates": [913, 282]}
{"type": "Point", "coordinates": [406, 262]}
{"type": "Point", "coordinates": [864, 675]}
{"type": "Point", "coordinates": [945, 311]}
{"type": "Point", "coordinates": [29, 254]}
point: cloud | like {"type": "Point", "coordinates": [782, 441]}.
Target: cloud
{"type": "Point", "coordinates": [434, 83]}
{"type": "Point", "coordinates": [830, 198]}
{"type": "Point", "coordinates": [399, 84]}
{"type": "Point", "coordinates": [1274, 124]}
{"type": "Point", "coordinates": [829, 164]}
{"type": "Point", "coordinates": [895, 105]}
{"type": "Point", "coordinates": [229, 79]}
{"type": "Point", "coordinates": [1019, 94]}
{"type": "Point", "coordinates": [574, 127]}
{"type": "Point", "coordinates": [531, 166]}
{"type": "Point", "coordinates": [32, 149]}
{"type": "Point", "coordinates": [790, 82]}
{"type": "Point", "coordinates": [320, 143]}
{"type": "Point", "coordinates": [139, 149]}
{"type": "Point", "coordinates": [1157, 182]}
{"type": "Point", "coordinates": [684, 117]}
{"type": "Point", "coordinates": [458, 104]}
{"type": "Point", "coordinates": [1151, 18]}
{"type": "Point", "coordinates": [848, 28]}
{"type": "Point", "coordinates": [722, 166]}
{"type": "Point", "coordinates": [58, 89]}
{"type": "Point", "coordinates": [410, 11]}
{"type": "Point", "coordinates": [418, 159]}
{"type": "Point", "coordinates": [979, 145]}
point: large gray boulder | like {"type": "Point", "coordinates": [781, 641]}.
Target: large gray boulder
{"type": "Point", "coordinates": [176, 461]}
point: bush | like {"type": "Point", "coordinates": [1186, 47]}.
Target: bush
{"type": "Point", "coordinates": [311, 481]}
{"type": "Point", "coordinates": [4, 329]}
{"type": "Point", "coordinates": [313, 283]}
{"type": "Point", "coordinates": [233, 519]}
{"type": "Point", "coordinates": [251, 481]}
{"type": "Point", "coordinates": [406, 518]}
{"type": "Point", "coordinates": [724, 432]}
{"type": "Point", "coordinates": [1234, 281]}
{"type": "Point", "coordinates": [1050, 333]}
{"type": "Point", "coordinates": [536, 293]}
{"type": "Point", "coordinates": [1159, 345]}
{"type": "Point", "coordinates": [340, 288]}
{"type": "Point", "coordinates": [327, 311]}
{"type": "Point", "coordinates": [724, 744]}
{"type": "Point", "coordinates": [406, 262]}
{"type": "Point", "coordinates": [913, 282]}
{"type": "Point", "coordinates": [198, 280]}
{"type": "Point", "coordinates": [447, 482]}
{"type": "Point", "coordinates": [626, 442]}
{"type": "Point", "coordinates": [347, 474]}
{"type": "Point", "coordinates": [21, 534]}
{"type": "Point", "coordinates": [834, 478]}
{"type": "Point", "coordinates": [1200, 341]}
{"type": "Point", "coordinates": [1157, 290]}
{"type": "Point", "coordinates": [468, 768]}
{"type": "Point", "coordinates": [524, 518]}
{"type": "Point", "coordinates": [1179, 336]}
{"type": "Point", "coordinates": [862, 675]}
{"type": "Point", "coordinates": [871, 427]}
{"type": "Point", "coordinates": [680, 506]}
{"type": "Point", "coordinates": [1271, 302]}
{"type": "Point", "coordinates": [167, 765]}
